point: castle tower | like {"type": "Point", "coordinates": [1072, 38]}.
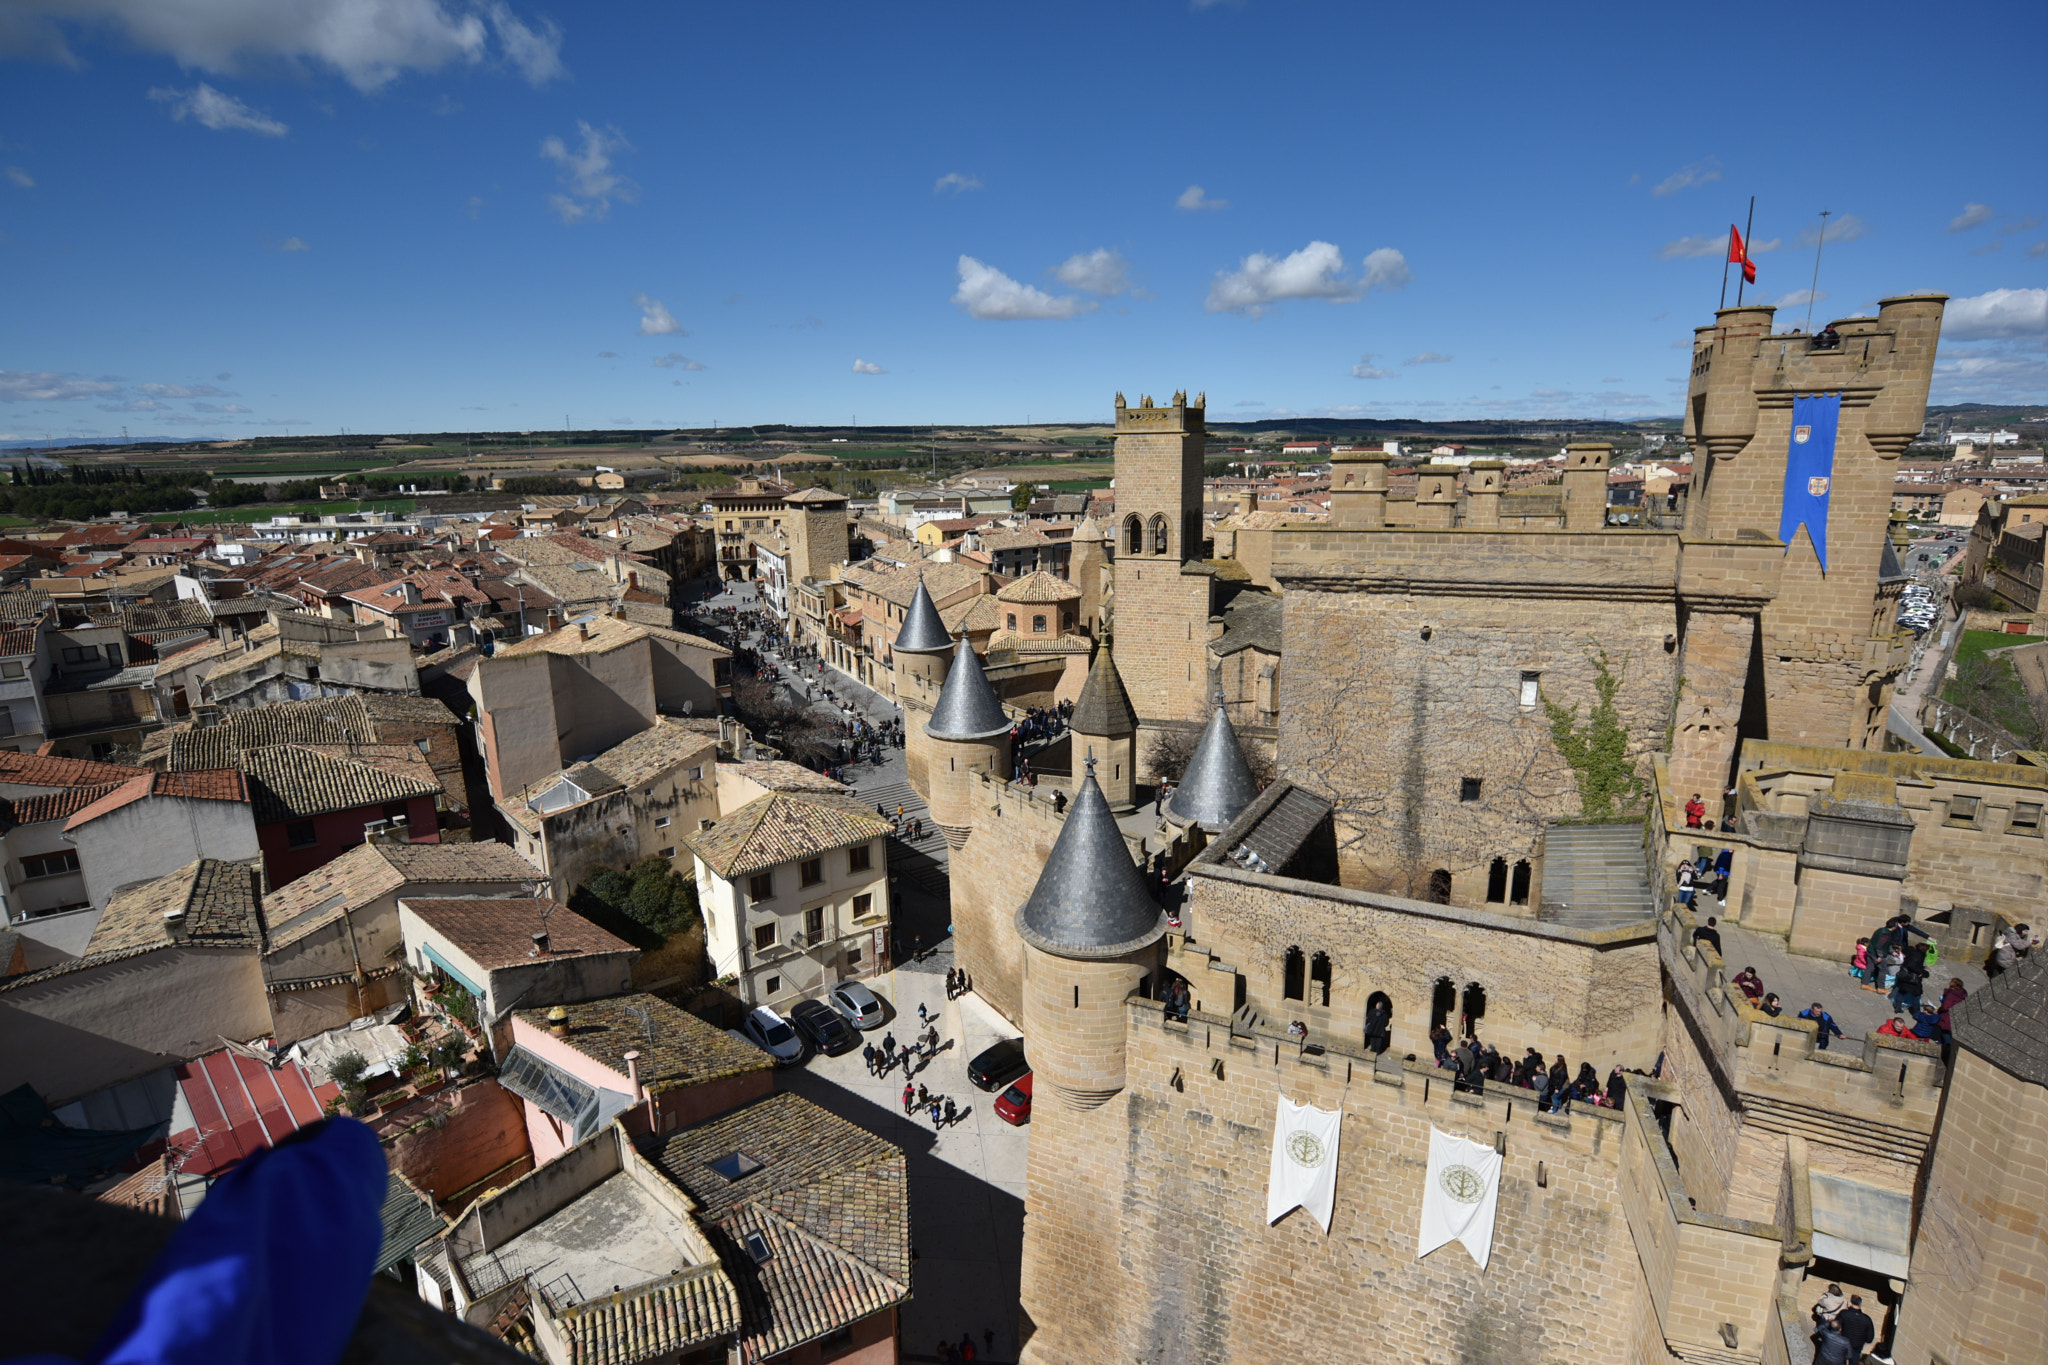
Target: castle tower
{"type": "Point", "coordinates": [1091, 933]}
{"type": "Point", "coordinates": [1797, 440]}
{"type": "Point", "coordinates": [1165, 592]}
{"type": "Point", "coordinates": [815, 525]}
{"type": "Point", "coordinates": [1105, 731]}
{"type": "Point", "coordinates": [919, 656]}
{"type": "Point", "coordinates": [1087, 564]}
{"type": "Point", "coordinates": [967, 734]}
{"type": "Point", "coordinates": [1218, 784]}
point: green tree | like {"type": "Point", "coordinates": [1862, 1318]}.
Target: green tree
{"type": "Point", "coordinates": [652, 894]}
{"type": "Point", "coordinates": [1609, 786]}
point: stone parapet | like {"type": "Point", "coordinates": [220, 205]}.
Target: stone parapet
{"type": "Point", "coordinates": [1729, 574]}
{"type": "Point", "coordinates": [1614, 564]}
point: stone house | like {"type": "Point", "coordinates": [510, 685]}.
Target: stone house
{"type": "Point", "coordinates": [129, 833]}
{"type": "Point", "coordinates": [335, 950]}
{"type": "Point", "coordinates": [554, 699]}
{"type": "Point", "coordinates": [173, 966]}
{"type": "Point", "coordinates": [44, 870]}
{"type": "Point", "coordinates": [635, 1058]}
{"type": "Point", "coordinates": [507, 952]}
{"type": "Point", "coordinates": [635, 800]}
{"type": "Point", "coordinates": [313, 803]}
{"type": "Point", "coordinates": [794, 889]}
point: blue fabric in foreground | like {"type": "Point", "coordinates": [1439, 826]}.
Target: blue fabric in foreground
{"type": "Point", "coordinates": [273, 1267]}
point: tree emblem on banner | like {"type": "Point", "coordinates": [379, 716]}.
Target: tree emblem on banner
{"type": "Point", "coordinates": [1305, 1149]}
{"type": "Point", "coordinates": [1463, 1184]}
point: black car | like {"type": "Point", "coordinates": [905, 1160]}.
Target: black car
{"type": "Point", "coordinates": [822, 1026]}
{"type": "Point", "coordinates": [996, 1067]}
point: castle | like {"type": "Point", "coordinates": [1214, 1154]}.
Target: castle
{"type": "Point", "coordinates": [1461, 685]}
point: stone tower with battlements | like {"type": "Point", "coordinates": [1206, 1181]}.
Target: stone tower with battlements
{"type": "Point", "coordinates": [1165, 591]}
{"type": "Point", "coordinates": [816, 526]}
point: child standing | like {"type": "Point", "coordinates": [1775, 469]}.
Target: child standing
{"type": "Point", "coordinates": [1859, 964]}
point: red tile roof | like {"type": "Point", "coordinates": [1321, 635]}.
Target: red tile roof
{"type": "Point", "coordinates": [48, 770]}
{"type": "Point", "coordinates": [498, 932]}
{"type": "Point", "coordinates": [221, 784]}
{"type": "Point", "coordinates": [240, 1106]}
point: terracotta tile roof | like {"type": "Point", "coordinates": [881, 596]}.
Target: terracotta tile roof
{"type": "Point", "coordinates": [783, 827]}
{"type": "Point", "coordinates": [897, 586]}
{"type": "Point", "coordinates": [216, 905]}
{"type": "Point", "coordinates": [381, 706]}
{"type": "Point", "coordinates": [371, 870]}
{"type": "Point", "coordinates": [157, 616]}
{"type": "Point", "coordinates": [606, 633]}
{"type": "Point", "coordinates": [296, 782]}
{"type": "Point", "coordinates": [498, 932]}
{"type": "Point", "coordinates": [695, 1306]}
{"type": "Point", "coordinates": [220, 784]}
{"type": "Point", "coordinates": [831, 1200]}
{"type": "Point", "coordinates": [974, 615]}
{"type": "Point", "coordinates": [328, 720]}
{"type": "Point", "coordinates": [1039, 587]}
{"type": "Point", "coordinates": [47, 770]}
{"type": "Point", "coordinates": [15, 642]}
{"type": "Point", "coordinates": [676, 1048]}
{"type": "Point", "coordinates": [58, 805]}
{"type": "Point", "coordinates": [779, 775]}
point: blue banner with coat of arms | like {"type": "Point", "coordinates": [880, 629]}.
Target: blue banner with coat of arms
{"type": "Point", "coordinates": [1810, 469]}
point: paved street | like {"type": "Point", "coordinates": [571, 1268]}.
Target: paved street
{"type": "Point", "coordinates": [967, 1182]}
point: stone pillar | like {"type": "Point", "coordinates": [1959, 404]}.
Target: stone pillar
{"type": "Point", "coordinates": [1483, 485]}
{"type": "Point", "coordinates": [1585, 485]}
{"type": "Point", "coordinates": [1358, 490]}
{"type": "Point", "coordinates": [1436, 497]}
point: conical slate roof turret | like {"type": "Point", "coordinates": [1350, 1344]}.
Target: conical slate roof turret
{"type": "Point", "coordinates": [967, 707]}
{"type": "Point", "coordinates": [1104, 708]}
{"type": "Point", "coordinates": [922, 632]}
{"type": "Point", "coordinates": [1090, 901]}
{"type": "Point", "coordinates": [1218, 784]}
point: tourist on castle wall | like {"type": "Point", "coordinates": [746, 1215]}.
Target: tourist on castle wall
{"type": "Point", "coordinates": [1906, 987]}
{"type": "Point", "coordinates": [1826, 1026]}
{"type": "Point", "coordinates": [1709, 934]}
{"type": "Point", "coordinates": [1856, 1325]}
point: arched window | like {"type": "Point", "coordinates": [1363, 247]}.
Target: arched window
{"type": "Point", "coordinates": [1518, 888]}
{"type": "Point", "coordinates": [1319, 979]}
{"type": "Point", "coordinates": [1290, 975]}
{"type": "Point", "coordinates": [1012, 620]}
{"type": "Point", "coordinates": [1134, 535]}
{"type": "Point", "coordinates": [1442, 1000]}
{"type": "Point", "coordinates": [1379, 1022]}
{"type": "Point", "coordinates": [1160, 535]}
{"type": "Point", "coordinates": [1497, 881]}
{"type": "Point", "coordinates": [1473, 1008]}
{"type": "Point", "coordinates": [1440, 886]}
{"type": "Point", "coordinates": [1038, 625]}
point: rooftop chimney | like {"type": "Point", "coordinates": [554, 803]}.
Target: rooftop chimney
{"type": "Point", "coordinates": [540, 949]}
{"type": "Point", "coordinates": [558, 1018]}
{"type": "Point", "coordinates": [583, 627]}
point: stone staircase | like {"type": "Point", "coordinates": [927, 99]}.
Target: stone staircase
{"type": "Point", "coordinates": [921, 862]}
{"type": "Point", "coordinates": [1594, 876]}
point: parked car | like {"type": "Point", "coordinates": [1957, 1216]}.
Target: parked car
{"type": "Point", "coordinates": [820, 1023]}
{"type": "Point", "coordinates": [1014, 1104]}
{"type": "Point", "coordinates": [861, 1006]}
{"type": "Point", "coordinates": [771, 1033]}
{"type": "Point", "coordinates": [996, 1067]}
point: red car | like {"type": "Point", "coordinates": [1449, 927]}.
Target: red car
{"type": "Point", "coordinates": [1014, 1104]}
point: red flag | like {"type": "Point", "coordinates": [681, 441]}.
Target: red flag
{"type": "Point", "coordinates": [1738, 252]}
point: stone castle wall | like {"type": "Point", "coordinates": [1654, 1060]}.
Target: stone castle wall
{"type": "Point", "coordinates": [1170, 1258]}
{"type": "Point", "coordinates": [992, 874]}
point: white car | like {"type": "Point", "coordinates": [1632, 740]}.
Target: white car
{"type": "Point", "coordinates": [772, 1033]}
{"type": "Point", "coordinates": [859, 1004]}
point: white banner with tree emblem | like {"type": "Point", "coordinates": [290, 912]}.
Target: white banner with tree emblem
{"type": "Point", "coordinates": [1304, 1171]}
{"type": "Point", "coordinates": [1460, 1196]}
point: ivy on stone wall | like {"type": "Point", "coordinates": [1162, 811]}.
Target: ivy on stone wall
{"type": "Point", "coordinates": [1609, 786]}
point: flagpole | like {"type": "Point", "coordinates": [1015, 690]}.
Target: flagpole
{"type": "Point", "coordinates": [1726, 257]}
{"type": "Point", "coordinates": [1818, 242]}
{"type": "Point", "coordinates": [1748, 231]}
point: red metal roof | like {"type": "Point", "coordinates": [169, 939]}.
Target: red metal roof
{"type": "Point", "coordinates": [240, 1106]}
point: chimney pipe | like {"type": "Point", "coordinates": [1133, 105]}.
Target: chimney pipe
{"type": "Point", "coordinates": [558, 1022]}
{"type": "Point", "coordinates": [583, 627]}
{"type": "Point", "coordinates": [540, 949]}
{"type": "Point", "coordinates": [639, 1094]}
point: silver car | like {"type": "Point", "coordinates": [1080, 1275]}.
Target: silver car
{"type": "Point", "coordinates": [862, 1008]}
{"type": "Point", "coordinates": [772, 1033]}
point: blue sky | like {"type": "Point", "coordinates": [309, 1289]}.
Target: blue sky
{"type": "Point", "coordinates": [236, 217]}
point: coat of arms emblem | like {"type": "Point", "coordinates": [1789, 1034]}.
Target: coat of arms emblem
{"type": "Point", "coordinates": [1817, 486]}
{"type": "Point", "coordinates": [1801, 435]}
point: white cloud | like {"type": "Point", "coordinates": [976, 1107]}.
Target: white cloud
{"type": "Point", "coordinates": [2026, 224]}
{"type": "Point", "coordinates": [1428, 358]}
{"type": "Point", "coordinates": [183, 391]}
{"type": "Point", "coordinates": [293, 244]}
{"type": "Point", "coordinates": [673, 361]}
{"type": "Point", "coordinates": [986, 292]}
{"type": "Point", "coordinates": [21, 177]}
{"type": "Point", "coordinates": [1101, 271]}
{"type": "Point", "coordinates": [1385, 269]}
{"type": "Point", "coordinates": [1698, 173]}
{"type": "Point", "coordinates": [370, 42]}
{"type": "Point", "coordinates": [956, 183]}
{"type": "Point", "coordinates": [2038, 249]}
{"type": "Point", "coordinates": [43, 386]}
{"type": "Point", "coordinates": [587, 173]}
{"type": "Point", "coordinates": [2002, 376]}
{"type": "Point", "coordinates": [1973, 215]}
{"type": "Point", "coordinates": [1365, 369]}
{"type": "Point", "coordinates": [134, 405]}
{"type": "Point", "coordinates": [1985, 250]}
{"type": "Point", "coordinates": [220, 407]}
{"type": "Point", "coordinates": [1799, 298]}
{"type": "Point", "coordinates": [1314, 272]}
{"type": "Point", "coordinates": [536, 49]}
{"type": "Point", "coordinates": [1715, 244]}
{"type": "Point", "coordinates": [1194, 199]}
{"type": "Point", "coordinates": [867, 367]}
{"type": "Point", "coordinates": [1843, 227]}
{"type": "Point", "coordinates": [212, 109]}
{"type": "Point", "coordinates": [1999, 313]}
{"type": "Point", "coordinates": [655, 319]}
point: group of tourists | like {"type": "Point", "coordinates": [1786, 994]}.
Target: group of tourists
{"type": "Point", "coordinates": [941, 1109]}
{"type": "Point", "coordinates": [1705, 873]}
{"type": "Point", "coordinates": [1474, 1063]}
{"type": "Point", "coordinates": [958, 983]}
{"type": "Point", "coordinates": [1842, 1331]}
{"type": "Point", "coordinates": [913, 1058]}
